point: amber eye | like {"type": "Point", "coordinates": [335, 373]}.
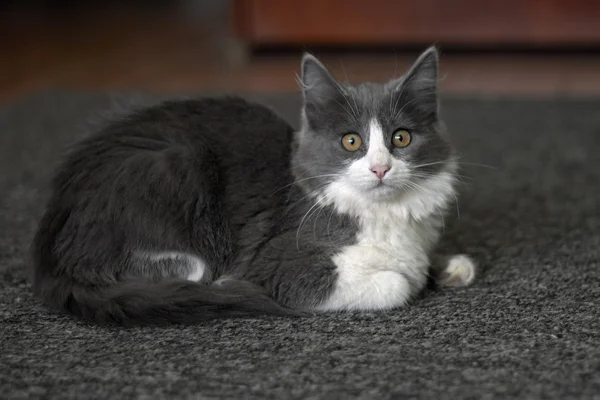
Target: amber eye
{"type": "Point", "coordinates": [351, 141]}
{"type": "Point", "coordinates": [401, 138]}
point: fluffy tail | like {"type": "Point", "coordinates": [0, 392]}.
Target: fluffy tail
{"type": "Point", "coordinates": [160, 303]}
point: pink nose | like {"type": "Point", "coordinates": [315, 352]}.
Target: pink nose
{"type": "Point", "coordinates": [380, 170]}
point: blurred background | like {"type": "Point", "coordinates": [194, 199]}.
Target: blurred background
{"type": "Point", "coordinates": [489, 47]}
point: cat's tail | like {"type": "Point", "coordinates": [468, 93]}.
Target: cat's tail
{"type": "Point", "coordinates": [160, 303]}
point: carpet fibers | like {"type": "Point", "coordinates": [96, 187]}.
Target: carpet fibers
{"type": "Point", "coordinates": [528, 328]}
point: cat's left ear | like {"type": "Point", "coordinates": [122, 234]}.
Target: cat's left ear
{"type": "Point", "coordinates": [421, 81]}
{"type": "Point", "coordinates": [318, 85]}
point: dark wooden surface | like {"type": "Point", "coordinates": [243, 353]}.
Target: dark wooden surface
{"type": "Point", "coordinates": [466, 22]}
{"type": "Point", "coordinates": [163, 52]}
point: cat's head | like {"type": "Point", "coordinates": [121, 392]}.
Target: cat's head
{"type": "Point", "coordinates": [375, 141]}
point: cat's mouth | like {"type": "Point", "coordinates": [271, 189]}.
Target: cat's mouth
{"type": "Point", "coordinates": [381, 186]}
{"type": "Point", "coordinates": [376, 189]}
{"type": "Point", "coordinates": [382, 189]}
{"type": "Point", "coordinates": [385, 190]}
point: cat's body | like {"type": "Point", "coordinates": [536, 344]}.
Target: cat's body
{"type": "Point", "coordinates": [200, 208]}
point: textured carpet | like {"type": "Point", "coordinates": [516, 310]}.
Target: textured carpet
{"type": "Point", "coordinates": [528, 328]}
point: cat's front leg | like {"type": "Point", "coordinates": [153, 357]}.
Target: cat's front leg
{"type": "Point", "coordinates": [453, 271]}
{"type": "Point", "coordinates": [319, 278]}
{"type": "Point", "coordinates": [369, 278]}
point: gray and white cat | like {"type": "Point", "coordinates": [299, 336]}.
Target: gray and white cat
{"type": "Point", "coordinates": [196, 209]}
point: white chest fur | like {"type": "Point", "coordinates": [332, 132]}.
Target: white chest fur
{"type": "Point", "coordinates": [389, 261]}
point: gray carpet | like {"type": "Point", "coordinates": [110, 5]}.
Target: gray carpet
{"type": "Point", "coordinates": [528, 328]}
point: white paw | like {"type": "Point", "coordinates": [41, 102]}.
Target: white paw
{"type": "Point", "coordinates": [380, 290]}
{"type": "Point", "coordinates": [460, 271]}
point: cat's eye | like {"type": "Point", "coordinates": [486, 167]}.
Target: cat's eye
{"type": "Point", "coordinates": [351, 141]}
{"type": "Point", "coordinates": [401, 138]}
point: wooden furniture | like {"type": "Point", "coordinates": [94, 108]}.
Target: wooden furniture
{"type": "Point", "coordinates": [417, 22]}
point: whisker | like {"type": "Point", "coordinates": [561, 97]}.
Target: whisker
{"type": "Point", "coordinates": [355, 112]}
{"type": "Point", "coordinates": [420, 175]}
{"type": "Point", "coordinates": [429, 164]}
{"type": "Point", "coordinates": [307, 195]}
{"type": "Point", "coordinates": [348, 111]}
{"type": "Point", "coordinates": [456, 202]}
{"type": "Point", "coordinates": [397, 102]}
{"type": "Point", "coordinates": [348, 81]}
{"type": "Point", "coordinates": [329, 221]}
{"type": "Point", "coordinates": [477, 165]}
{"type": "Point", "coordinates": [323, 206]}
{"type": "Point", "coordinates": [344, 71]}
{"type": "Point", "coordinates": [304, 179]}
{"type": "Point", "coordinates": [415, 185]}
{"type": "Point", "coordinates": [300, 83]}
{"type": "Point", "coordinates": [306, 216]}
{"type": "Point", "coordinates": [454, 160]}
{"type": "Point", "coordinates": [404, 106]}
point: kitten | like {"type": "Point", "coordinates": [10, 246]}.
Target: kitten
{"type": "Point", "coordinates": [195, 209]}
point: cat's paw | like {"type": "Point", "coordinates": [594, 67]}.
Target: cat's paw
{"type": "Point", "coordinates": [458, 272]}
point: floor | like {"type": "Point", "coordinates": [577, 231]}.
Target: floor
{"type": "Point", "coordinates": [168, 52]}
{"type": "Point", "coordinates": [527, 328]}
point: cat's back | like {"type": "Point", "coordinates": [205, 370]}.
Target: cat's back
{"type": "Point", "coordinates": [229, 130]}
{"type": "Point", "coordinates": [231, 122]}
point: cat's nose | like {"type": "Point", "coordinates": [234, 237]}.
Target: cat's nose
{"type": "Point", "coordinates": [380, 170]}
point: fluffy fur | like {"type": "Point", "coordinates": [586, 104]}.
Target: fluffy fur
{"type": "Point", "coordinates": [214, 207]}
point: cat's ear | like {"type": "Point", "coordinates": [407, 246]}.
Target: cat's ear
{"type": "Point", "coordinates": [318, 85]}
{"type": "Point", "coordinates": [421, 81]}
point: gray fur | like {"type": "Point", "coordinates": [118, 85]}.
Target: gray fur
{"type": "Point", "coordinates": [223, 180]}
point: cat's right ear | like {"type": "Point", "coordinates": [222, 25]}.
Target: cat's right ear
{"type": "Point", "coordinates": [318, 86]}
